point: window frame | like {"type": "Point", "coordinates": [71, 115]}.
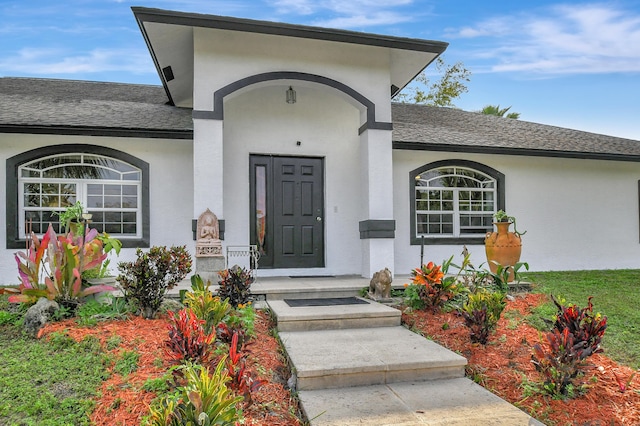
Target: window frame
{"type": "Point", "coordinates": [468, 164]}
{"type": "Point", "coordinates": [13, 191]}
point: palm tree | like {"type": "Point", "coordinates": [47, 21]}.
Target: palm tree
{"type": "Point", "coordinates": [495, 110]}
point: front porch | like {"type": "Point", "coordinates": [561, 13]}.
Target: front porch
{"type": "Point", "coordinates": [303, 287]}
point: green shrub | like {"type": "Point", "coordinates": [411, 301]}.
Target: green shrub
{"type": "Point", "coordinates": [203, 400]}
{"type": "Point", "coordinates": [146, 281]}
{"type": "Point", "coordinates": [205, 305]}
{"type": "Point", "coordinates": [482, 312]}
{"type": "Point", "coordinates": [239, 322]}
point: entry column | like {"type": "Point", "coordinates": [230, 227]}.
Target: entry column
{"type": "Point", "coordinates": [208, 167]}
{"type": "Point", "coordinates": [377, 227]}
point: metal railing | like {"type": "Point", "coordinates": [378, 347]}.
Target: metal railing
{"type": "Point", "coordinates": [246, 257]}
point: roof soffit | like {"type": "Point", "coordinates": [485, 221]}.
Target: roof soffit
{"type": "Point", "coordinates": [172, 46]}
{"type": "Point", "coordinates": [169, 37]}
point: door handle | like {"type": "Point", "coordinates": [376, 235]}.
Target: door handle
{"type": "Point", "coordinates": [318, 219]}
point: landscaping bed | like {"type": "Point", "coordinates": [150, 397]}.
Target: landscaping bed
{"type": "Point", "coordinates": [504, 367]}
{"type": "Point", "coordinates": [122, 398]}
{"type": "Point", "coordinates": [130, 355]}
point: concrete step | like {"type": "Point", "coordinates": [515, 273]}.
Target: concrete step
{"type": "Point", "coordinates": [308, 288]}
{"type": "Point", "coordinates": [449, 402]}
{"type": "Point", "coordinates": [370, 314]}
{"type": "Point", "coordinates": [367, 356]}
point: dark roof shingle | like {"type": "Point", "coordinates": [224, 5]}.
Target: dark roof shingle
{"type": "Point", "coordinates": [43, 105]}
{"type": "Point", "coordinates": [424, 127]}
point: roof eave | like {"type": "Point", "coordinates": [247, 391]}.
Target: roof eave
{"type": "Point", "coordinates": [423, 146]}
{"type": "Point", "coordinates": [97, 131]}
{"type": "Point", "coordinates": [144, 14]}
{"type": "Point", "coordinates": [154, 58]}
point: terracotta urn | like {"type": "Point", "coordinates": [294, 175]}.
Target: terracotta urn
{"type": "Point", "coordinates": [503, 247]}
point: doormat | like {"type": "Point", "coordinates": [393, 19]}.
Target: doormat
{"type": "Point", "coordinates": [328, 301]}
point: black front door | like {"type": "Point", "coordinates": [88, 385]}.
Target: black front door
{"type": "Point", "coordinates": [287, 211]}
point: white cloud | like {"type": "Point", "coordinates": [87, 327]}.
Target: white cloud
{"type": "Point", "coordinates": [48, 62]}
{"type": "Point", "coordinates": [576, 38]}
{"type": "Point", "coordinates": [347, 13]}
{"type": "Point", "coordinates": [361, 20]}
{"type": "Point", "coordinates": [300, 7]}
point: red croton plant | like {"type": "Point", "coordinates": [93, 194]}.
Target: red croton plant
{"type": "Point", "coordinates": [61, 259]}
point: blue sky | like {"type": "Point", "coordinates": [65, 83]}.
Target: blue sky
{"type": "Point", "coordinates": [571, 64]}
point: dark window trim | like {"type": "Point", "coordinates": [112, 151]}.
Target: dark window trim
{"type": "Point", "coordinates": [13, 163]}
{"type": "Point", "coordinates": [500, 185]}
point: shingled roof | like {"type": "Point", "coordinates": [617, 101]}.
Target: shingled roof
{"type": "Point", "coordinates": [447, 129]}
{"type": "Point", "coordinates": [94, 108]}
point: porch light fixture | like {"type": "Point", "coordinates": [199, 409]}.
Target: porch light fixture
{"type": "Point", "coordinates": [291, 96]}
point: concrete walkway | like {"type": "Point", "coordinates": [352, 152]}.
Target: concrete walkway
{"type": "Point", "coordinates": [356, 365]}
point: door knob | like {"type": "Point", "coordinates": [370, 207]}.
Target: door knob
{"type": "Point", "coordinates": [318, 218]}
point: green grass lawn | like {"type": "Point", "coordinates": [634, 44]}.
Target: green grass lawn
{"type": "Point", "coordinates": [46, 382]}
{"type": "Point", "coordinates": [616, 294]}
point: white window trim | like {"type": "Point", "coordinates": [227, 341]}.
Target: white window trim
{"type": "Point", "coordinates": [456, 212]}
{"type": "Point", "coordinates": [81, 190]}
{"type": "Point", "coordinates": [493, 177]}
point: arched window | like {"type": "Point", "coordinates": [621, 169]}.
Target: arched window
{"type": "Point", "coordinates": [453, 202]}
{"type": "Point", "coordinates": [111, 185]}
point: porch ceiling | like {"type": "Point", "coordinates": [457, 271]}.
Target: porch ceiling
{"type": "Point", "coordinates": [169, 37]}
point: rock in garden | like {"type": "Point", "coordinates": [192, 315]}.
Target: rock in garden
{"type": "Point", "coordinates": [38, 315]}
{"type": "Point", "coordinates": [292, 382]}
{"type": "Point", "coordinates": [170, 305]}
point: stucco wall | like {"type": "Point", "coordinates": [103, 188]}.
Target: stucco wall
{"type": "Point", "coordinates": [221, 57]}
{"type": "Point", "coordinates": [170, 192]}
{"type": "Point", "coordinates": [578, 214]}
{"type": "Point", "coordinates": [261, 122]}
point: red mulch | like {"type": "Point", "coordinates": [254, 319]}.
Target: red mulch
{"type": "Point", "coordinates": [502, 363]}
{"type": "Point", "coordinates": [499, 366]}
{"type": "Point", "coordinates": [123, 402]}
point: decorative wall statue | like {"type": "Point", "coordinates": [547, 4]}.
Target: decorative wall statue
{"type": "Point", "coordinates": [208, 243]}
